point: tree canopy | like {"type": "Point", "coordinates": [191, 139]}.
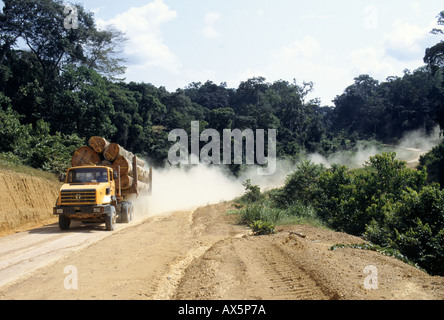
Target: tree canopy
{"type": "Point", "coordinates": [69, 79]}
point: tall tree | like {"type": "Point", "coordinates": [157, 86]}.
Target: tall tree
{"type": "Point", "coordinates": [43, 27]}
{"type": "Point", "coordinates": [83, 98]}
{"type": "Point", "coordinates": [101, 52]}
{"type": "Point", "coordinates": [434, 57]}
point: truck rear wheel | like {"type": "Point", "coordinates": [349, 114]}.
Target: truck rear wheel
{"type": "Point", "coordinates": [125, 214]}
{"type": "Point", "coordinates": [110, 219]}
{"type": "Point", "coordinates": [64, 222]}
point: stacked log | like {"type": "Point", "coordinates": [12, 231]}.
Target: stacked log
{"type": "Point", "coordinates": [85, 156]}
{"type": "Point", "coordinates": [143, 175]}
{"type": "Point", "coordinates": [126, 166]}
{"type": "Point", "coordinates": [98, 144]}
{"type": "Point", "coordinates": [114, 151]}
{"type": "Point", "coordinates": [125, 182]}
{"type": "Point", "coordinates": [104, 153]}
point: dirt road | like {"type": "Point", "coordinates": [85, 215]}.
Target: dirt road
{"type": "Point", "coordinates": [201, 254]}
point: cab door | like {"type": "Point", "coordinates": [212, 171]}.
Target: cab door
{"type": "Point", "coordinates": [112, 182]}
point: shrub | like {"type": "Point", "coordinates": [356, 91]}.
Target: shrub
{"type": "Point", "coordinates": [302, 185]}
{"type": "Point", "coordinates": [390, 205]}
{"type": "Point", "coordinates": [260, 227]}
{"type": "Point", "coordinates": [434, 164]}
{"type": "Point", "coordinates": [349, 201]}
{"type": "Point", "coordinates": [259, 211]}
{"type": "Point", "coordinates": [252, 192]}
{"type": "Point", "coordinates": [415, 227]}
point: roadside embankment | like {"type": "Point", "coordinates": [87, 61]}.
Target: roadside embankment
{"type": "Point", "coordinates": [26, 201]}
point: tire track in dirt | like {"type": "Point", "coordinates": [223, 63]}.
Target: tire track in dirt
{"type": "Point", "coordinates": [288, 280]}
{"type": "Point", "coordinates": [210, 229]}
{"type": "Point", "coordinates": [247, 268]}
{"type": "Point", "coordinates": [166, 291]}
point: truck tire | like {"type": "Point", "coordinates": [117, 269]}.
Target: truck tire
{"type": "Point", "coordinates": [125, 214]}
{"type": "Point", "coordinates": [64, 222]}
{"type": "Point", "coordinates": [110, 219]}
{"type": "Point", "coordinates": [131, 211]}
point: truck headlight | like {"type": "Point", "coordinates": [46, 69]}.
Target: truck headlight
{"type": "Point", "coordinates": [59, 211]}
{"type": "Point", "coordinates": [98, 210]}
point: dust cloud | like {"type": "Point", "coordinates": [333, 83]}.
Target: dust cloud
{"type": "Point", "coordinates": [187, 187]}
{"type": "Point", "coordinates": [179, 188]}
{"type": "Point", "coordinates": [183, 188]}
{"type": "Point", "coordinates": [412, 145]}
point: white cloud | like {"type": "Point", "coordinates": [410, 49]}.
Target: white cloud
{"type": "Point", "coordinates": [303, 60]}
{"type": "Point", "coordinates": [97, 10]}
{"type": "Point", "coordinates": [142, 26]}
{"type": "Point", "coordinates": [406, 41]}
{"type": "Point", "coordinates": [416, 7]}
{"type": "Point", "coordinates": [300, 49]}
{"type": "Point", "coordinates": [404, 45]}
{"type": "Point", "coordinates": [248, 74]}
{"type": "Point", "coordinates": [209, 30]}
{"type": "Point", "coordinates": [371, 60]}
{"type": "Point", "coordinates": [317, 16]}
{"type": "Point", "coordinates": [212, 17]}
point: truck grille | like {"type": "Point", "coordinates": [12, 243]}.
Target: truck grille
{"type": "Point", "coordinates": [78, 197]}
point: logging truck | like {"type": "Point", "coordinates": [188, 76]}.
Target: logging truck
{"type": "Point", "coordinates": [99, 185]}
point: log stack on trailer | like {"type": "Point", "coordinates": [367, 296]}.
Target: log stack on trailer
{"type": "Point", "coordinates": [132, 177]}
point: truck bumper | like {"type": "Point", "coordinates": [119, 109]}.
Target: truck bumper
{"type": "Point", "coordinates": [96, 213]}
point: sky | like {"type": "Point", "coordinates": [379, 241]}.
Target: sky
{"type": "Point", "coordinates": [173, 43]}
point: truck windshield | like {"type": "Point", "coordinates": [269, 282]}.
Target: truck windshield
{"type": "Point", "coordinates": [87, 175]}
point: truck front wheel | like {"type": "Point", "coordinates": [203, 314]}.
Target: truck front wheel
{"type": "Point", "coordinates": [110, 219]}
{"type": "Point", "coordinates": [64, 222]}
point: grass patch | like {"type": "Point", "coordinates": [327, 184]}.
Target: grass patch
{"type": "Point", "coordinates": [265, 212]}
{"type": "Point", "coordinates": [259, 211]}
{"type": "Point", "coordinates": [263, 228]}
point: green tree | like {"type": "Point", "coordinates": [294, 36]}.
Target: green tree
{"type": "Point", "coordinates": [300, 186]}
{"type": "Point", "coordinates": [359, 107]}
{"type": "Point", "coordinates": [101, 52]}
{"type": "Point", "coordinates": [14, 137]}
{"type": "Point", "coordinates": [84, 102]}
{"type": "Point", "coordinates": [414, 226]}
{"type": "Point", "coordinates": [434, 57]}
{"type": "Point", "coordinates": [433, 162]}
{"type": "Point", "coordinates": [50, 152]}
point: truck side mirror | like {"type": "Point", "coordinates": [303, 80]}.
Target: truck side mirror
{"type": "Point", "coordinates": [62, 177]}
{"type": "Point", "coordinates": [115, 175]}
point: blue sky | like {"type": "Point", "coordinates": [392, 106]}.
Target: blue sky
{"type": "Point", "coordinates": [175, 42]}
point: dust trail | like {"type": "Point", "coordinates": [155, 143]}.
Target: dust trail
{"type": "Point", "coordinates": [350, 159]}
{"type": "Point", "coordinates": [409, 148]}
{"type": "Point", "coordinates": [182, 188]}
{"type": "Point", "coordinates": [176, 188]}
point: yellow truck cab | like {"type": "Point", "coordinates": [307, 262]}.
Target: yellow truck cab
{"type": "Point", "coordinates": [91, 194]}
